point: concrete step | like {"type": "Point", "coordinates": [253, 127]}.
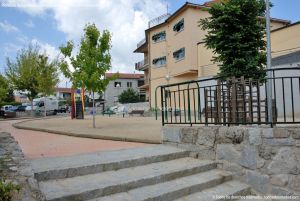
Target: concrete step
{"type": "Point", "coordinates": [110, 182]}
{"type": "Point", "coordinates": [172, 190]}
{"type": "Point", "coordinates": [90, 163]}
{"type": "Point", "coordinates": [220, 192]}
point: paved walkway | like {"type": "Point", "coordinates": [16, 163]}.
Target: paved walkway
{"type": "Point", "coordinates": [134, 129]}
{"type": "Point", "coordinates": [37, 144]}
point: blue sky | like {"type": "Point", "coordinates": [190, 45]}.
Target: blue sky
{"type": "Point", "coordinates": [50, 25]}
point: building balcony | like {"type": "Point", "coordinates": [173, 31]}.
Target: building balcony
{"type": "Point", "coordinates": [142, 65]}
{"type": "Point", "coordinates": [141, 47]}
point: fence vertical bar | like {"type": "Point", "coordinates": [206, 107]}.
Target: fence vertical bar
{"type": "Point", "coordinates": [179, 103]}
{"type": "Point", "coordinates": [162, 106]}
{"type": "Point", "coordinates": [175, 107]}
{"type": "Point", "coordinates": [292, 93]}
{"type": "Point", "coordinates": [283, 96]}
{"type": "Point", "coordinates": [189, 105]}
{"type": "Point", "coordinates": [275, 97]}
{"type": "Point", "coordinates": [184, 105]}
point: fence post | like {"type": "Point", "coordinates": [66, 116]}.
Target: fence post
{"type": "Point", "coordinates": [162, 106]}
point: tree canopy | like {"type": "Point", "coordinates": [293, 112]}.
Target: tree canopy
{"type": "Point", "coordinates": [32, 73]}
{"type": "Point", "coordinates": [23, 73]}
{"type": "Point", "coordinates": [3, 88]}
{"type": "Point", "coordinates": [48, 76]}
{"type": "Point", "coordinates": [235, 33]}
{"type": "Point", "coordinates": [91, 62]}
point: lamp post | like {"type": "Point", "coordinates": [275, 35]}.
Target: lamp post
{"type": "Point", "coordinates": [269, 73]}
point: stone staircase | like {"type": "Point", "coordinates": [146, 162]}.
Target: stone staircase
{"type": "Point", "coordinates": [156, 172]}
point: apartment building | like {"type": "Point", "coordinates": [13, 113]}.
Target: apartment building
{"type": "Point", "coordinates": [122, 83]}
{"type": "Point", "coordinates": [173, 48]}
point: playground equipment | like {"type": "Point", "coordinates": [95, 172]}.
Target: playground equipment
{"type": "Point", "coordinates": [77, 104]}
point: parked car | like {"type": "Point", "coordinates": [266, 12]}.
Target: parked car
{"type": "Point", "coordinates": [21, 108]}
{"type": "Point", "coordinates": [8, 111]}
{"type": "Point", "coordinates": [9, 108]}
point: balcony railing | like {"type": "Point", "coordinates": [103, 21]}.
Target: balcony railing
{"type": "Point", "coordinates": [141, 64]}
{"type": "Point", "coordinates": [142, 42]}
{"type": "Point", "coordinates": [158, 20]}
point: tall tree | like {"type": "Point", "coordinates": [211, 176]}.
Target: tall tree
{"type": "Point", "coordinates": [235, 33]}
{"type": "Point", "coordinates": [91, 63]}
{"type": "Point", "coordinates": [3, 88]}
{"type": "Point", "coordinates": [28, 74]}
{"type": "Point", "coordinates": [23, 73]}
{"type": "Point", "coordinates": [48, 77]}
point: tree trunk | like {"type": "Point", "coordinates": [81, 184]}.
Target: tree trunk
{"type": "Point", "coordinates": [45, 111]}
{"type": "Point", "coordinates": [94, 112]}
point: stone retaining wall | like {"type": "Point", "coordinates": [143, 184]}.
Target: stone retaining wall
{"type": "Point", "coordinates": [266, 158]}
{"type": "Point", "coordinates": [14, 168]}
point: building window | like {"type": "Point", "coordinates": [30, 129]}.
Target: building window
{"type": "Point", "coordinates": [159, 61]}
{"type": "Point", "coordinates": [179, 26]}
{"type": "Point", "coordinates": [117, 84]}
{"type": "Point", "coordinates": [179, 54]}
{"type": "Point", "coordinates": [141, 83]}
{"type": "Point", "coordinates": [161, 36]}
{"type": "Point", "coordinates": [129, 84]}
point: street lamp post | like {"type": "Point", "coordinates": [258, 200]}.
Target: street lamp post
{"type": "Point", "coordinates": [269, 73]}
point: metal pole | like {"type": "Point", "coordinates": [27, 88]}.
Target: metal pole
{"type": "Point", "coordinates": [269, 73]}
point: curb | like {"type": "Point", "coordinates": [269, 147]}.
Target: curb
{"type": "Point", "coordinates": [91, 136]}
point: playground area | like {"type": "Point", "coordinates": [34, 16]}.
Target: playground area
{"type": "Point", "coordinates": [133, 129]}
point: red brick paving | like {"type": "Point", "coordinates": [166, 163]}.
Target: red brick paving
{"type": "Point", "coordinates": [40, 144]}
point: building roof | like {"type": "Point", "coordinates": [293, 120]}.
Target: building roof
{"type": "Point", "coordinates": [290, 25]}
{"type": "Point", "coordinates": [205, 5]}
{"type": "Point", "coordinates": [63, 90]}
{"type": "Point", "coordinates": [125, 75]}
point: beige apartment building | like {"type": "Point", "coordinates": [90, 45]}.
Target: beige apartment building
{"type": "Point", "coordinates": [285, 40]}
{"type": "Point", "coordinates": [173, 49]}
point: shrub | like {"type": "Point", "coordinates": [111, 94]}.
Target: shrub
{"type": "Point", "coordinates": [7, 189]}
{"type": "Point", "coordinates": [129, 96]}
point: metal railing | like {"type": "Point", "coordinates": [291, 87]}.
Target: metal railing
{"type": "Point", "coordinates": [141, 64]}
{"type": "Point", "coordinates": [158, 20]}
{"type": "Point", "coordinates": [142, 42]}
{"type": "Point", "coordinates": [232, 101]}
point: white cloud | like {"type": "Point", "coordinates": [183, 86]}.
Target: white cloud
{"type": "Point", "coordinates": [7, 27]}
{"type": "Point", "coordinates": [29, 24]}
{"type": "Point", "coordinates": [46, 48]}
{"type": "Point", "coordinates": [11, 48]}
{"type": "Point", "coordinates": [126, 19]}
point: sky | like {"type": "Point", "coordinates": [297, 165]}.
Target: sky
{"type": "Point", "coordinates": [51, 23]}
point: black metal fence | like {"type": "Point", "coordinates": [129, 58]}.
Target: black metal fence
{"type": "Point", "coordinates": [232, 101]}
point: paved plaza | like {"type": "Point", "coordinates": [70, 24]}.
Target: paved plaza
{"type": "Point", "coordinates": [134, 129]}
{"type": "Point", "coordinates": [37, 144]}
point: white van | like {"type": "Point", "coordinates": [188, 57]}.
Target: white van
{"type": "Point", "coordinates": [39, 105]}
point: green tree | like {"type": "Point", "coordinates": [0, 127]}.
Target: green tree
{"type": "Point", "coordinates": [23, 73]}
{"type": "Point", "coordinates": [28, 74]}
{"type": "Point", "coordinates": [235, 33]}
{"type": "Point", "coordinates": [48, 76]}
{"type": "Point", "coordinates": [91, 63]}
{"type": "Point", "coordinates": [3, 88]}
{"type": "Point", "coordinates": [129, 96]}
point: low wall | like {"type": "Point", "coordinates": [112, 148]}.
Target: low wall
{"type": "Point", "coordinates": [266, 158]}
{"type": "Point", "coordinates": [137, 106]}
{"type": "Point", "coordinates": [15, 168]}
